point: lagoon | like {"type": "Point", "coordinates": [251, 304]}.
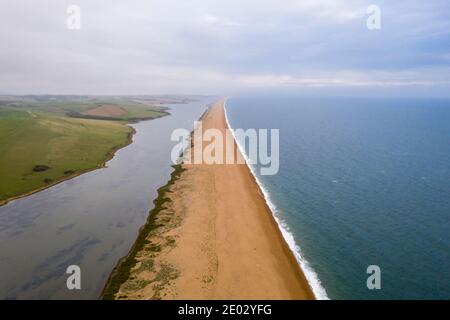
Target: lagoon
{"type": "Point", "coordinates": [91, 220]}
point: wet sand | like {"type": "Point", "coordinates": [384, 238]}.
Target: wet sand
{"type": "Point", "coordinates": [215, 239]}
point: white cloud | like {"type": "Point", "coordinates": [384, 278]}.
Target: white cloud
{"type": "Point", "coordinates": [200, 46]}
{"type": "Point", "coordinates": [214, 20]}
{"type": "Point", "coordinates": [331, 10]}
{"type": "Point", "coordinates": [346, 78]}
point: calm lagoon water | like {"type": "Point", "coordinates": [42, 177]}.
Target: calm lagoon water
{"type": "Point", "coordinates": [90, 221]}
{"type": "Point", "coordinates": [362, 182]}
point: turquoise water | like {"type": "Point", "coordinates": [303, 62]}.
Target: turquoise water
{"type": "Point", "coordinates": [362, 182]}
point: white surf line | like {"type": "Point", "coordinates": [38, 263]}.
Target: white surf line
{"type": "Point", "coordinates": [311, 276]}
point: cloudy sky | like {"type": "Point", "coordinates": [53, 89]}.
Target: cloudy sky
{"type": "Point", "coordinates": [225, 46]}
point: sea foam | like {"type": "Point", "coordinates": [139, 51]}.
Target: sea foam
{"type": "Point", "coordinates": [311, 276]}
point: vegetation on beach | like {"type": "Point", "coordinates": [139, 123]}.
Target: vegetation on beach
{"type": "Point", "coordinates": [122, 272]}
{"type": "Point", "coordinates": [42, 142]}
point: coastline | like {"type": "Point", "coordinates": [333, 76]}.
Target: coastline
{"type": "Point", "coordinates": [213, 237]}
{"type": "Point", "coordinates": [121, 271]}
{"type": "Point", "coordinates": [311, 276]}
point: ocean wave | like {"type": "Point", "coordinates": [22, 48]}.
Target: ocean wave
{"type": "Point", "coordinates": [311, 276]}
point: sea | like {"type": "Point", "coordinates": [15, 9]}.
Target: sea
{"type": "Point", "coordinates": [362, 182]}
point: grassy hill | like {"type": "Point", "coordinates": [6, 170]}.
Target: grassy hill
{"type": "Point", "coordinates": [47, 139]}
{"type": "Point", "coordinates": [37, 151]}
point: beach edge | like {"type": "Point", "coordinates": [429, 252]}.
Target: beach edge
{"type": "Point", "coordinates": [122, 270]}
{"type": "Point", "coordinates": [307, 272]}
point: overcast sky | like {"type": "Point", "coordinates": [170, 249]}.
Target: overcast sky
{"type": "Point", "coordinates": [224, 46]}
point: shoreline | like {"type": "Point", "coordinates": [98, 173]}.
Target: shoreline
{"type": "Point", "coordinates": [310, 275]}
{"type": "Point", "coordinates": [217, 214]}
{"type": "Point", "coordinates": [121, 270]}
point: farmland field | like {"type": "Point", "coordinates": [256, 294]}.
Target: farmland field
{"type": "Point", "coordinates": [41, 143]}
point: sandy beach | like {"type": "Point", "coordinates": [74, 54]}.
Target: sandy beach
{"type": "Point", "coordinates": [215, 238]}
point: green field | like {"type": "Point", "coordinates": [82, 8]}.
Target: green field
{"type": "Point", "coordinates": [41, 144]}
{"type": "Point", "coordinates": [75, 106]}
